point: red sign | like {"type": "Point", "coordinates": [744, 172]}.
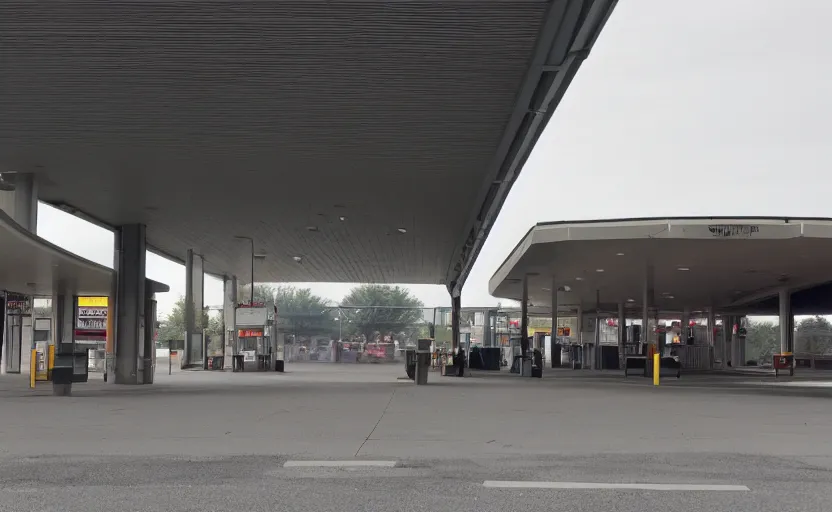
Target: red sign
{"type": "Point", "coordinates": [249, 333]}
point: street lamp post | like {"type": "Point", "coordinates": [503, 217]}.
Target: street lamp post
{"type": "Point", "coordinates": [251, 302]}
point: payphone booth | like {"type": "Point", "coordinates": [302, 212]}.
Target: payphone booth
{"type": "Point", "coordinates": [255, 348]}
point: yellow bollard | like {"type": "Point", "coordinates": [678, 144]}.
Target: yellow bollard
{"type": "Point", "coordinates": [50, 362]}
{"type": "Point", "coordinates": [657, 361]}
{"type": "Point", "coordinates": [33, 368]}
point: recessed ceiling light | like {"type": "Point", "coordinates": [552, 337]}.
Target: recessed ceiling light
{"type": "Point", "coordinates": [670, 296]}
{"type": "Point", "coordinates": [665, 293]}
{"type": "Point", "coordinates": [599, 269]}
{"type": "Point", "coordinates": [619, 254]}
{"type": "Point", "coordinates": [579, 279]}
{"type": "Point", "coordinates": [546, 289]}
{"type": "Point", "coordinates": [312, 228]}
{"type": "Point", "coordinates": [631, 300]}
{"type": "Point", "coordinates": [297, 259]}
{"type": "Point", "coordinates": [565, 288]}
{"type": "Point", "coordinates": [402, 230]}
{"type": "Point", "coordinates": [683, 269]}
{"type": "Point", "coordinates": [342, 218]}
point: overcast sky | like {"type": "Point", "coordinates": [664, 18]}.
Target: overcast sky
{"type": "Point", "coordinates": [717, 107]}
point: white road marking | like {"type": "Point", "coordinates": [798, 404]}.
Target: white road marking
{"type": "Point", "coordinates": [499, 484]}
{"type": "Point", "coordinates": [340, 464]}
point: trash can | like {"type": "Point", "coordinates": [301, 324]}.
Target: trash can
{"type": "Point", "coordinates": [278, 365]}
{"type": "Point", "coordinates": [577, 357]}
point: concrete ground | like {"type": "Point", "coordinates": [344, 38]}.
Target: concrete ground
{"type": "Point", "coordinates": [219, 440]}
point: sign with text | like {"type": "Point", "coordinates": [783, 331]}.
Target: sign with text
{"type": "Point", "coordinates": [251, 317]}
{"type": "Point", "coordinates": [91, 317]}
{"type": "Point", "coordinates": [249, 333]}
{"type": "Point", "coordinates": [733, 230]}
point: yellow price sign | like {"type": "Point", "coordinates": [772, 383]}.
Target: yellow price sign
{"type": "Point", "coordinates": [92, 302]}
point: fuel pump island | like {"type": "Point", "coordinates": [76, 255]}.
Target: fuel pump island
{"type": "Point", "coordinates": [259, 345]}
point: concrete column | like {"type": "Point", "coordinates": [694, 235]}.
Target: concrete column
{"type": "Point", "coordinates": [21, 204]}
{"type": "Point", "coordinates": [149, 358]}
{"type": "Point", "coordinates": [786, 319]}
{"type": "Point", "coordinates": [622, 334]}
{"type": "Point", "coordinates": [456, 306]}
{"type": "Point", "coordinates": [646, 300]}
{"type": "Point", "coordinates": [63, 320]}
{"type": "Point", "coordinates": [554, 357]}
{"type": "Point", "coordinates": [131, 306]}
{"type": "Point", "coordinates": [194, 302]}
{"type": "Point", "coordinates": [685, 322]}
{"type": "Point", "coordinates": [524, 319]}
{"type": "Point", "coordinates": [229, 319]}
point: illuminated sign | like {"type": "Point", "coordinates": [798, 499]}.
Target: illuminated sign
{"type": "Point", "coordinates": [564, 331]}
{"type": "Point", "coordinates": [91, 317]}
{"type": "Point", "coordinates": [249, 333]}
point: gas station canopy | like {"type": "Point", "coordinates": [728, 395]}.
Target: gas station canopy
{"type": "Point", "coordinates": [369, 141]}
{"type": "Point", "coordinates": [30, 265]}
{"type": "Point", "coordinates": [730, 264]}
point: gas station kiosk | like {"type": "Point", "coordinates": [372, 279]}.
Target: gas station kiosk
{"type": "Point", "coordinates": [258, 344]}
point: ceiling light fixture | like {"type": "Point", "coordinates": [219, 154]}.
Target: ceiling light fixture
{"type": "Point", "coordinates": [683, 269]}
{"type": "Point", "coordinates": [670, 296]}
{"type": "Point", "coordinates": [342, 218]}
{"type": "Point", "coordinates": [599, 270]}
{"type": "Point", "coordinates": [546, 289]}
{"type": "Point", "coordinates": [402, 230]}
{"type": "Point", "coordinates": [631, 300]}
{"type": "Point", "coordinates": [314, 229]}
{"type": "Point", "coordinates": [579, 279]}
{"type": "Point", "coordinates": [619, 254]}
{"type": "Point", "coordinates": [297, 259]}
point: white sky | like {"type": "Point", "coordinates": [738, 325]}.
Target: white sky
{"type": "Point", "coordinates": [716, 107]}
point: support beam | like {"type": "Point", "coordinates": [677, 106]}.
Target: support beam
{"type": "Point", "coordinates": [229, 304]}
{"type": "Point", "coordinates": [194, 301]}
{"type": "Point", "coordinates": [622, 334]}
{"type": "Point", "coordinates": [21, 204]}
{"type": "Point", "coordinates": [456, 306]}
{"type": "Point", "coordinates": [131, 307]}
{"type": "Point", "coordinates": [524, 319]}
{"type": "Point", "coordinates": [553, 357]}
{"type": "Point", "coordinates": [786, 320]}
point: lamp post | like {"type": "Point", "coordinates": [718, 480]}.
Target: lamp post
{"type": "Point", "coordinates": [251, 302]}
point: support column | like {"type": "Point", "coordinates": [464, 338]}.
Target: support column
{"type": "Point", "coordinates": [647, 302]}
{"type": "Point", "coordinates": [685, 324]}
{"type": "Point", "coordinates": [63, 318]}
{"type": "Point", "coordinates": [786, 319]}
{"type": "Point", "coordinates": [131, 297]}
{"type": "Point", "coordinates": [229, 305]}
{"type": "Point", "coordinates": [622, 334]}
{"type": "Point", "coordinates": [554, 358]}
{"type": "Point", "coordinates": [456, 306]}
{"type": "Point", "coordinates": [524, 319]}
{"type": "Point", "coordinates": [21, 204]}
{"type": "Point", "coordinates": [194, 302]}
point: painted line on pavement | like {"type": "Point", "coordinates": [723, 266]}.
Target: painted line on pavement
{"type": "Point", "coordinates": [339, 464]}
{"type": "Point", "coordinates": [501, 484]}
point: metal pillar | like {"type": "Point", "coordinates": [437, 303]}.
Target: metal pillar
{"type": "Point", "coordinates": [131, 306]}
{"type": "Point", "coordinates": [194, 354]}
{"type": "Point", "coordinates": [647, 300]}
{"type": "Point", "coordinates": [685, 324]}
{"type": "Point", "coordinates": [553, 337]}
{"type": "Point", "coordinates": [229, 319]}
{"type": "Point", "coordinates": [21, 204]}
{"type": "Point", "coordinates": [622, 334]}
{"type": "Point", "coordinates": [456, 306]}
{"type": "Point", "coordinates": [786, 321]}
{"type": "Point", "coordinates": [524, 319]}
{"type": "Point", "coordinates": [63, 318]}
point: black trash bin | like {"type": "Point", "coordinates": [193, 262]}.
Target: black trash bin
{"type": "Point", "coordinates": [278, 365]}
{"type": "Point", "coordinates": [410, 363]}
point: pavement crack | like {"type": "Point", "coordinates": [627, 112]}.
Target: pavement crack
{"type": "Point", "coordinates": [383, 412]}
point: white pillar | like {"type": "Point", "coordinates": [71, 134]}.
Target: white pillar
{"type": "Point", "coordinates": [785, 303]}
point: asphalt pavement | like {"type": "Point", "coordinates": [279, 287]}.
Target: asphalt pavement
{"type": "Point", "coordinates": [355, 437]}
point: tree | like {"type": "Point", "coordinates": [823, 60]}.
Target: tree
{"type": "Point", "coordinates": [762, 340]}
{"type": "Point", "coordinates": [303, 312]}
{"type": "Point", "coordinates": [814, 336]}
{"type": "Point", "coordinates": [381, 310]}
{"type": "Point", "coordinates": [173, 326]}
{"type": "Point", "coordinates": [262, 293]}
